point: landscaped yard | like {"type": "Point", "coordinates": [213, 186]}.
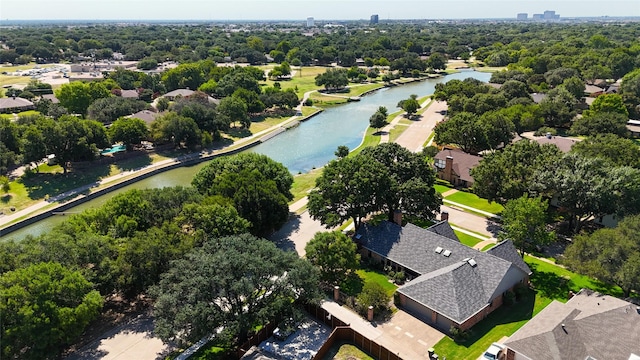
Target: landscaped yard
{"type": "Point", "coordinates": [467, 239]}
{"type": "Point", "coordinates": [302, 81]}
{"type": "Point", "coordinates": [502, 322]}
{"type": "Point", "coordinates": [344, 351]}
{"type": "Point", "coordinates": [302, 183]}
{"type": "Point", "coordinates": [472, 200]}
{"type": "Point", "coordinates": [353, 286]}
{"type": "Point", "coordinates": [551, 282]}
{"type": "Point", "coordinates": [441, 188]}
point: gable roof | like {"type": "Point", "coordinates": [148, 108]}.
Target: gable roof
{"type": "Point", "coordinates": [595, 325]}
{"type": "Point", "coordinates": [145, 115]}
{"type": "Point", "coordinates": [462, 162]}
{"type": "Point", "coordinates": [447, 284]}
{"type": "Point", "coordinates": [457, 291]}
{"type": "Point", "coordinates": [129, 94]}
{"type": "Point", "coordinates": [179, 92]}
{"type": "Point", "coordinates": [14, 102]}
{"type": "Point", "coordinates": [443, 228]}
{"type": "Point", "coordinates": [507, 251]}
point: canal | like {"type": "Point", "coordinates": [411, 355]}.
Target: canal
{"type": "Point", "coordinates": [311, 144]}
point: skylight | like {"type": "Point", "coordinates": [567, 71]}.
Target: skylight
{"type": "Point", "coordinates": [439, 250]}
{"type": "Point", "coordinates": [447, 253]}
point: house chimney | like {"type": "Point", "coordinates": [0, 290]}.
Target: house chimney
{"type": "Point", "coordinates": [397, 217]}
{"type": "Point", "coordinates": [444, 216]}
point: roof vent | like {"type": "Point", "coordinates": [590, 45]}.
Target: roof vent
{"type": "Point", "coordinates": [439, 250]}
{"type": "Point", "coordinates": [472, 262]}
{"type": "Point", "coordinates": [447, 253]}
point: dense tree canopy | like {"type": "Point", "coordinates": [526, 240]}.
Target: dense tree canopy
{"type": "Point", "coordinates": [524, 223]}
{"type": "Point", "coordinates": [222, 285]}
{"type": "Point", "coordinates": [508, 174]}
{"type": "Point", "coordinates": [44, 307]}
{"type": "Point", "coordinates": [335, 254]}
{"type": "Point", "coordinates": [610, 255]}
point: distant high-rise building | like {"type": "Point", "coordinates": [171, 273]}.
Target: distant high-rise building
{"type": "Point", "coordinates": [374, 19]}
{"type": "Point", "coordinates": [550, 15]}
{"type": "Point", "coordinates": [310, 22]}
{"type": "Point", "coordinates": [538, 17]}
{"type": "Point", "coordinates": [522, 16]}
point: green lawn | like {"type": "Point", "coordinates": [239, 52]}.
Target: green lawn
{"type": "Point", "coordinates": [551, 282]}
{"type": "Point", "coordinates": [442, 188]}
{"type": "Point", "coordinates": [361, 89]}
{"type": "Point", "coordinates": [353, 285]}
{"type": "Point", "coordinates": [472, 200]}
{"type": "Point", "coordinates": [371, 138]}
{"type": "Point", "coordinates": [487, 247]}
{"type": "Point", "coordinates": [303, 80]}
{"type": "Point", "coordinates": [302, 183]}
{"type": "Point", "coordinates": [467, 239]}
{"type": "Point", "coordinates": [555, 282]}
{"type": "Point", "coordinates": [502, 322]}
{"type": "Point", "coordinates": [396, 131]}
{"type": "Point", "coordinates": [345, 351]}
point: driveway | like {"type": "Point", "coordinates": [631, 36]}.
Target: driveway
{"type": "Point", "coordinates": [418, 132]}
{"type": "Point", "coordinates": [475, 223]}
{"type": "Point", "coordinates": [297, 232]}
{"type": "Point", "coordinates": [133, 340]}
{"type": "Point", "coordinates": [410, 334]}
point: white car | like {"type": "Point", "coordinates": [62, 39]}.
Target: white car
{"type": "Point", "coordinates": [493, 351]}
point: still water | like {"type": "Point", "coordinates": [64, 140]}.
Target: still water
{"type": "Point", "coordinates": [300, 149]}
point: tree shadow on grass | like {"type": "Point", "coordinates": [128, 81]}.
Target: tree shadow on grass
{"type": "Point", "coordinates": [39, 185]}
{"type": "Point", "coordinates": [6, 198]}
{"type": "Point", "coordinates": [352, 285]}
{"type": "Point", "coordinates": [550, 285]}
{"type": "Point", "coordinates": [134, 163]}
{"type": "Point", "coordinates": [521, 310]}
{"type": "Point", "coordinates": [238, 132]}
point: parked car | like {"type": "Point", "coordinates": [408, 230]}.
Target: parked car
{"type": "Point", "coordinates": [493, 351]}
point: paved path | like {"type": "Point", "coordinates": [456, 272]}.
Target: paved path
{"type": "Point", "coordinates": [419, 131]}
{"type": "Point", "coordinates": [133, 340]}
{"type": "Point", "coordinates": [475, 223]}
{"type": "Point", "coordinates": [402, 334]}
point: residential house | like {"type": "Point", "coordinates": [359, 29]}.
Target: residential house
{"type": "Point", "coordinates": [145, 115]}
{"type": "Point", "coordinates": [15, 104]}
{"type": "Point", "coordinates": [563, 143]}
{"type": "Point", "coordinates": [131, 94]}
{"type": "Point", "coordinates": [588, 326]}
{"type": "Point", "coordinates": [51, 97]}
{"type": "Point", "coordinates": [450, 284]}
{"type": "Point", "coordinates": [454, 165]}
{"type": "Point", "coordinates": [593, 91]}
{"type": "Point", "coordinates": [173, 95]}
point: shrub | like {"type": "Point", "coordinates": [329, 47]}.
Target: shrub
{"type": "Point", "coordinates": [308, 102]}
{"type": "Point", "coordinates": [521, 291]}
{"type": "Point", "coordinates": [509, 298]}
{"type": "Point", "coordinates": [458, 334]}
{"type": "Point", "coordinates": [373, 294]}
{"type": "Point", "coordinates": [399, 277]}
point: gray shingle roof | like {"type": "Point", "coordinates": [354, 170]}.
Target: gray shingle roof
{"type": "Point", "coordinates": [448, 285]}
{"type": "Point", "coordinates": [443, 228]}
{"type": "Point", "coordinates": [602, 327]}
{"type": "Point", "coordinates": [506, 250]}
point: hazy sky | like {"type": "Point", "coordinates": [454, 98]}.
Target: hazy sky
{"type": "Point", "coordinates": [300, 9]}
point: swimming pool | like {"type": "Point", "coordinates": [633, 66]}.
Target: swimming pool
{"type": "Point", "coordinates": [113, 149]}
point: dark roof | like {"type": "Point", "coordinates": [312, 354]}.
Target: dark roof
{"type": "Point", "coordinates": [456, 291]}
{"type": "Point", "coordinates": [506, 250]}
{"type": "Point", "coordinates": [462, 162]}
{"type": "Point", "coordinates": [448, 284]}
{"type": "Point", "coordinates": [595, 325]}
{"type": "Point", "coordinates": [443, 228]}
